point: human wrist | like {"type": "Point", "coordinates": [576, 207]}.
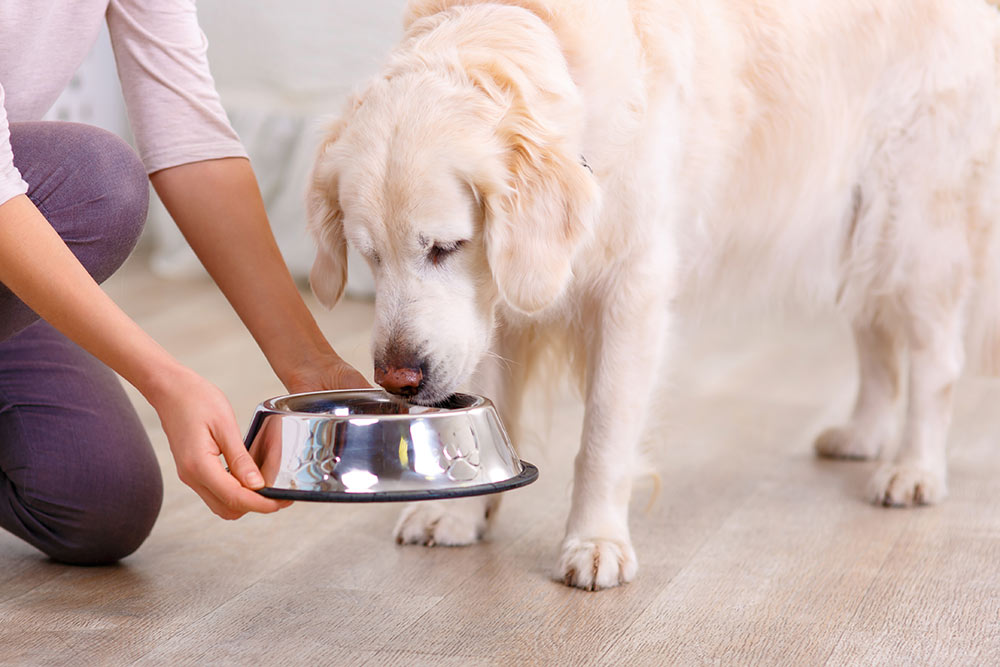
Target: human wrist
{"type": "Point", "coordinates": [298, 344]}
{"type": "Point", "coordinates": [292, 368]}
{"type": "Point", "coordinates": [161, 379]}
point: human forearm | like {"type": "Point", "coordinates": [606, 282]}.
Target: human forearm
{"type": "Point", "coordinates": [37, 266]}
{"type": "Point", "coordinates": [218, 207]}
{"type": "Point", "coordinates": [199, 423]}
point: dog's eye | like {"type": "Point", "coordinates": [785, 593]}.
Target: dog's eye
{"type": "Point", "coordinates": [441, 250]}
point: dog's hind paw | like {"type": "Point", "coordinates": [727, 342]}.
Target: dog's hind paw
{"type": "Point", "coordinates": [845, 443]}
{"type": "Point", "coordinates": [446, 523]}
{"type": "Point", "coordinates": [593, 564]}
{"type": "Point", "coordinates": [907, 484]}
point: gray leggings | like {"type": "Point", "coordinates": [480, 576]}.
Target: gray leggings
{"type": "Point", "coordinates": [78, 478]}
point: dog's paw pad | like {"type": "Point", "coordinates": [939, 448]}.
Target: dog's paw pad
{"type": "Point", "coordinates": [905, 485]}
{"type": "Point", "coordinates": [436, 523]}
{"type": "Point", "coordinates": [596, 563]}
{"type": "Point", "coordinates": [844, 443]}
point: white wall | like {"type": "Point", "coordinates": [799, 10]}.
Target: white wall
{"type": "Point", "coordinates": [300, 54]}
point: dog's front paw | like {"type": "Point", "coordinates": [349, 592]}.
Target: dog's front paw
{"type": "Point", "coordinates": [593, 564]}
{"type": "Point", "coordinates": [907, 484]}
{"type": "Point", "coordinates": [846, 443]}
{"type": "Point", "coordinates": [448, 523]}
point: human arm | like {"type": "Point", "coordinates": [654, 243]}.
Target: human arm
{"type": "Point", "coordinates": [198, 167]}
{"type": "Point", "coordinates": [199, 423]}
{"type": "Point", "coordinates": [11, 183]}
{"type": "Point", "coordinates": [218, 207]}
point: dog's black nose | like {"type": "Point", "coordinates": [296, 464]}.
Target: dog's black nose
{"type": "Point", "coordinates": [403, 381]}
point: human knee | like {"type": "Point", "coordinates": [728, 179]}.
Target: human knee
{"type": "Point", "coordinates": [102, 544]}
{"type": "Point", "coordinates": [102, 516]}
{"type": "Point", "coordinates": [123, 190]}
{"type": "Point", "coordinates": [89, 183]}
{"type": "Point", "coordinates": [111, 533]}
{"type": "Point", "coordinates": [117, 189]}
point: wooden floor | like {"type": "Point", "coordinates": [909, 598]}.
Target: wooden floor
{"type": "Point", "coordinates": [753, 552]}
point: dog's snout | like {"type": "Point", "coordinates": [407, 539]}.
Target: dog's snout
{"type": "Point", "coordinates": [404, 381]}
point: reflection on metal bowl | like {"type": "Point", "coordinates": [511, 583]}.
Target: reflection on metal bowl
{"type": "Point", "coordinates": [368, 446]}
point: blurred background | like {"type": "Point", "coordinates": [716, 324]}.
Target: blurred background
{"type": "Point", "coordinates": [282, 69]}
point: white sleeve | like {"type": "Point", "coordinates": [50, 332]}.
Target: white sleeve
{"type": "Point", "coordinates": [11, 183]}
{"type": "Point", "coordinates": [173, 107]}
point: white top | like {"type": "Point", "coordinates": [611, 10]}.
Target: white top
{"type": "Point", "coordinates": [173, 107]}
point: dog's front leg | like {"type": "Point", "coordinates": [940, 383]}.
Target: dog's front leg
{"type": "Point", "coordinates": [625, 352]}
{"type": "Point", "coordinates": [465, 521]}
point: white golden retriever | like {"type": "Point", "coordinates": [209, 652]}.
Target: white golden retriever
{"type": "Point", "coordinates": [524, 170]}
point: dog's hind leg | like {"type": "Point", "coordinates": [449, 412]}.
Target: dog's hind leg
{"type": "Point", "coordinates": [917, 474]}
{"type": "Point", "coordinates": [932, 303]}
{"type": "Point", "coordinates": [872, 423]}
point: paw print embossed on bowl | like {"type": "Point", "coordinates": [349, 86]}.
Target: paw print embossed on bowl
{"type": "Point", "coordinates": [460, 455]}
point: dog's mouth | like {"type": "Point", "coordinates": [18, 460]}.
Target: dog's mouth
{"type": "Point", "coordinates": [426, 382]}
{"type": "Point", "coordinates": [436, 391]}
{"type": "Point", "coordinates": [434, 397]}
{"type": "Point", "coordinates": [452, 402]}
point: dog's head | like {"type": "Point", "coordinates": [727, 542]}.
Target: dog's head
{"type": "Point", "coordinates": [457, 176]}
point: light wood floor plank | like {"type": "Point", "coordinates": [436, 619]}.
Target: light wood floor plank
{"type": "Point", "coordinates": [752, 552]}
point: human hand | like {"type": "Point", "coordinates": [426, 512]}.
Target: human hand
{"type": "Point", "coordinates": [329, 372]}
{"type": "Point", "coordinates": [200, 425]}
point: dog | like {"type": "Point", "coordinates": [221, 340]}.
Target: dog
{"type": "Point", "coordinates": [526, 170]}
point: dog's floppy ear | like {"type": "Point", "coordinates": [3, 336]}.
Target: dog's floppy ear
{"type": "Point", "coordinates": [325, 220]}
{"type": "Point", "coordinates": [545, 210]}
{"type": "Point", "coordinates": [534, 229]}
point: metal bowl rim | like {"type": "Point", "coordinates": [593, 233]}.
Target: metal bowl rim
{"type": "Point", "coordinates": [527, 475]}
{"type": "Point", "coordinates": [267, 405]}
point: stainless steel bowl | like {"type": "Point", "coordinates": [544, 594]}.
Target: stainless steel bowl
{"type": "Point", "coordinates": [368, 446]}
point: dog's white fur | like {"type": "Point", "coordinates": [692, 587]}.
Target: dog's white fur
{"type": "Point", "coordinates": [811, 152]}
